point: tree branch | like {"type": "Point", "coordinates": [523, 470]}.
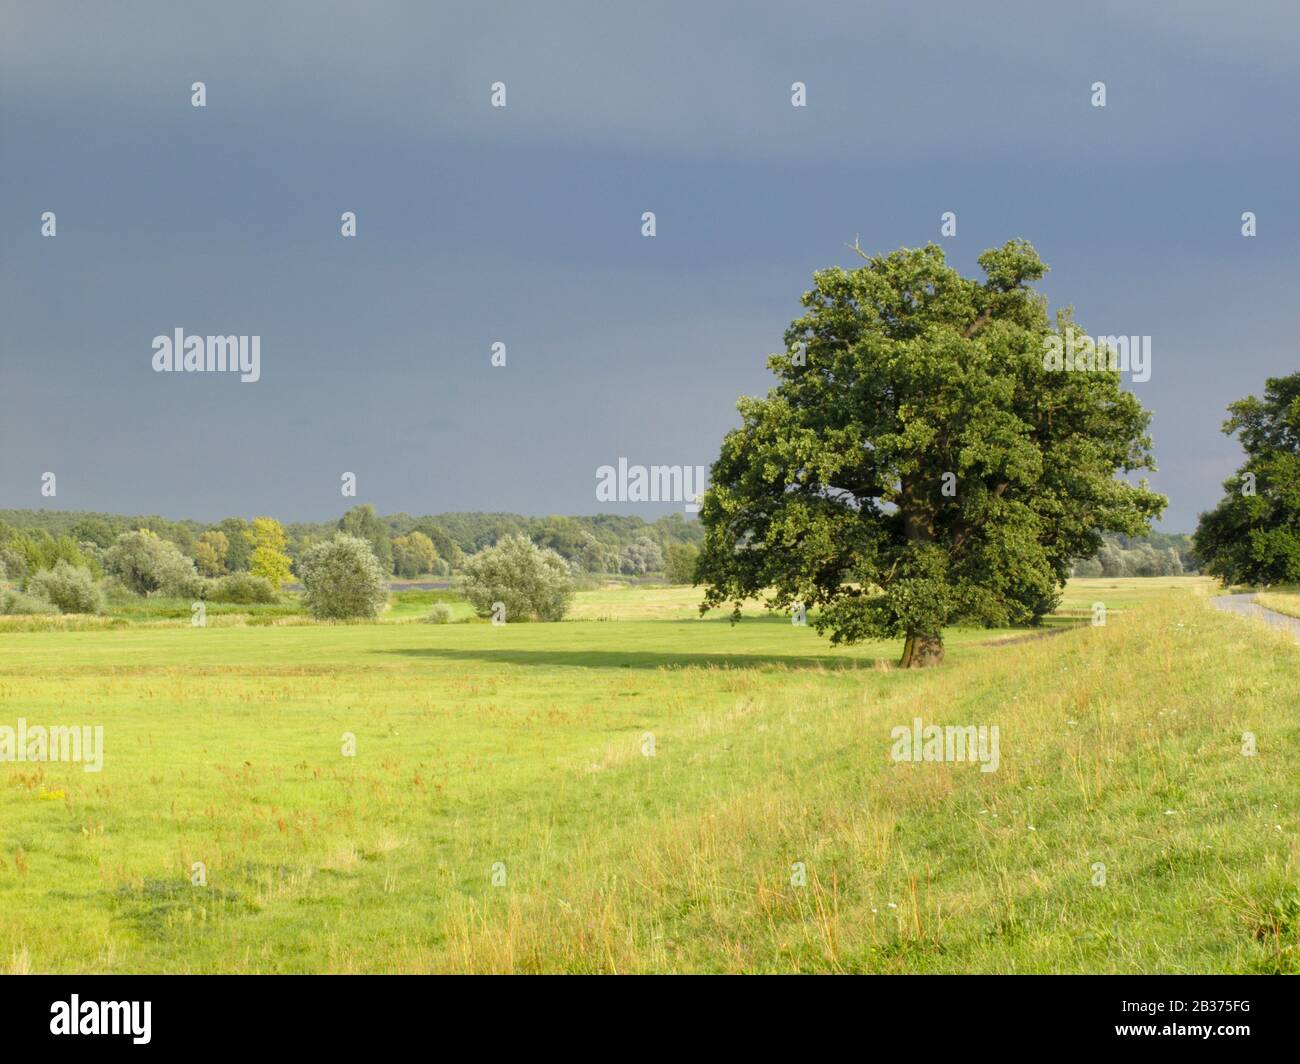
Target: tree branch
{"type": "Point", "coordinates": [978, 323]}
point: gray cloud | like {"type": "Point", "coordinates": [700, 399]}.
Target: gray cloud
{"type": "Point", "coordinates": [521, 225]}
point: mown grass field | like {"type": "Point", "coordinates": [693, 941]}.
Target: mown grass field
{"type": "Point", "coordinates": [516, 753]}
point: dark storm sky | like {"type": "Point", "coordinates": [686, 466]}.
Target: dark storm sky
{"type": "Point", "coordinates": [523, 225]}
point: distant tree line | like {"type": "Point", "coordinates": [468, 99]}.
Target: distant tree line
{"type": "Point", "coordinates": [155, 555]}
{"type": "Point", "coordinates": [1159, 554]}
{"type": "Point", "coordinates": [404, 546]}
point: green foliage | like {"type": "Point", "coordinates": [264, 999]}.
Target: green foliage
{"type": "Point", "coordinates": [1156, 554]}
{"type": "Point", "coordinates": [446, 548]}
{"type": "Point", "coordinates": [413, 555]}
{"type": "Point", "coordinates": [1088, 567]}
{"type": "Point", "coordinates": [564, 535]}
{"type": "Point", "coordinates": [529, 580]}
{"type": "Point", "coordinates": [641, 557]}
{"type": "Point", "coordinates": [916, 463]}
{"type": "Point", "coordinates": [180, 533]}
{"type": "Point", "coordinates": [679, 563]}
{"type": "Point", "coordinates": [98, 528]}
{"type": "Point", "coordinates": [149, 565]}
{"type": "Point", "coordinates": [440, 614]}
{"type": "Point", "coordinates": [1253, 535]}
{"type": "Point", "coordinates": [343, 580]}
{"type": "Point", "coordinates": [268, 558]}
{"type": "Point", "coordinates": [1142, 560]}
{"type": "Point", "coordinates": [29, 552]}
{"type": "Point", "coordinates": [243, 588]}
{"type": "Point", "coordinates": [453, 535]}
{"type": "Point", "coordinates": [69, 587]}
{"type": "Point", "coordinates": [13, 565]}
{"type": "Point", "coordinates": [474, 531]}
{"type": "Point", "coordinates": [570, 537]}
{"type": "Point", "coordinates": [364, 523]}
{"type": "Point", "coordinates": [94, 530]}
{"type": "Point", "coordinates": [595, 556]}
{"type": "Point", "coordinates": [239, 547]}
{"type": "Point", "coordinates": [17, 604]}
{"type": "Point", "coordinates": [210, 551]}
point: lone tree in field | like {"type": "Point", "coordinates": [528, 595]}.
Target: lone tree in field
{"type": "Point", "coordinates": [343, 580]}
{"type": "Point", "coordinates": [527, 580]}
{"type": "Point", "coordinates": [917, 464]}
{"type": "Point", "coordinates": [1253, 535]}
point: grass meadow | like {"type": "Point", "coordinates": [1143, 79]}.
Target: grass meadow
{"type": "Point", "coordinates": [1281, 600]}
{"type": "Point", "coordinates": [501, 813]}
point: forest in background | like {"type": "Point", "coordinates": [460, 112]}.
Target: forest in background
{"type": "Point", "coordinates": [593, 543]}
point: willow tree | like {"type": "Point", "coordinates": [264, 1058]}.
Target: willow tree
{"type": "Point", "coordinates": [918, 464]}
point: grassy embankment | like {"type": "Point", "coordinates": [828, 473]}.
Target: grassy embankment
{"type": "Point", "coordinates": [519, 750]}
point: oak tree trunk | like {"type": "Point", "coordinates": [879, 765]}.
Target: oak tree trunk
{"type": "Point", "coordinates": [921, 651]}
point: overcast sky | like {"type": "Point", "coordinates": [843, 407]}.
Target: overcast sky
{"type": "Point", "coordinates": [523, 225]}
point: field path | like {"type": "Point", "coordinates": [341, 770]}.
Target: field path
{"type": "Point", "coordinates": [1247, 607]}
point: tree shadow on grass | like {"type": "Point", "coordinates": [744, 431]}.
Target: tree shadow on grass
{"type": "Point", "coordinates": [651, 659]}
{"type": "Point", "coordinates": [636, 659]}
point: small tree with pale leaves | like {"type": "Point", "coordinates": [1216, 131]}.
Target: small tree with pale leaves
{"type": "Point", "coordinates": [528, 580]}
{"type": "Point", "coordinates": [342, 580]}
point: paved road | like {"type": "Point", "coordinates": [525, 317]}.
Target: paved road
{"type": "Point", "coordinates": [1245, 605]}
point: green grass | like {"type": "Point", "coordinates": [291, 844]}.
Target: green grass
{"type": "Point", "coordinates": [138, 610]}
{"type": "Point", "coordinates": [133, 610]}
{"type": "Point", "coordinates": [1281, 600]}
{"type": "Point", "coordinates": [521, 746]}
{"type": "Point", "coordinates": [415, 605]}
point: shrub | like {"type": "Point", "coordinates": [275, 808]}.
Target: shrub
{"type": "Point", "coordinates": [342, 580]}
{"type": "Point", "coordinates": [440, 614]}
{"type": "Point", "coordinates": [243, 588]}
{"type": "Point", "coordinates": [69, 587]}
{"type": "Point", "coordinates": [16, 604]}
{"type": "Point", "coordinates": [530, 581]}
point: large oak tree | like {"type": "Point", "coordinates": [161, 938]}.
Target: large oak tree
{"type": "Point", "coordinates": [1253, 535]}
{"type": "Point", "coordinates": [916, 463]}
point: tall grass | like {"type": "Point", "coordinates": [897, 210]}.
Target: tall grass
{"type": "Point", "coordinates": [1280, 600]}
{"type": "Point", "coordinates": [519, 754]}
